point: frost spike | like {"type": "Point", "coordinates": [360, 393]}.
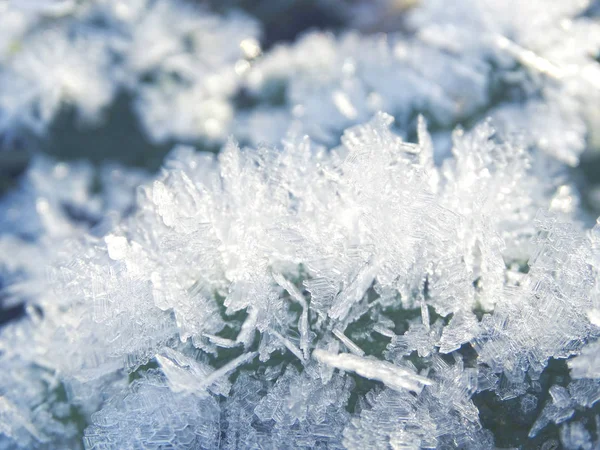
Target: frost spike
{"type": "Point", "coordinates": [392, 376]}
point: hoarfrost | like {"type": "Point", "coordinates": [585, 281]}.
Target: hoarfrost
{"type": "Point", "coordinates": [333, 285]}
{"type": "Point", "coordinates": [215, 237]}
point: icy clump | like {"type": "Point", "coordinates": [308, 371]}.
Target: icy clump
{"type": "Point", "coordinates": [54, 202]}
{"type": "Point", "coordinates": [150, 415]}
{"type": "Point", "coordinates": [53, 69]}
{"type": "Point", "coordinates": [450, 65]}
{"type": "Point", "coordinates": [169, 56]}
{"type": "Point", "coordinates": [311, 252]}
{"type": "Point", "coordinates": [441, 415]}
{"type": "Point", "coordinates": [216, 235]}
{"type": "Point", "coordinates": [330, 83]}
{"type": "Point", "coordinates": [555, 43]}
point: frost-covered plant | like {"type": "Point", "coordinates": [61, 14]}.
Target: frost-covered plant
{"type": "Point", "coordinates": [347, 280]}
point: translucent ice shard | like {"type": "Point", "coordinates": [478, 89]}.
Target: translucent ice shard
{"type": "Point", "coordinates": [395, 377]}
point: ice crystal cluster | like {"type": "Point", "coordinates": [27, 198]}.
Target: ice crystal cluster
{"type": "Point", "coordinates": [389, 249]}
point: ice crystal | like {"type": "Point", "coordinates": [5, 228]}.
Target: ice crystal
{"type": "Point", "coordinates": [212, 237]}
{"type": "Point", "coordinates": [335, 276]}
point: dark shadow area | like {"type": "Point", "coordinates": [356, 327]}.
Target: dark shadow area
{"type": "Point", "coordinates": [118, 138]}
{"type": "Point", "coordinates": [12, 166]}
{"type": "Point", "coordinates": [284, 20]}
{"type": "Point", "coordinates": [12, 313]}
{"type": "Point", "coordinates": [586, 177]}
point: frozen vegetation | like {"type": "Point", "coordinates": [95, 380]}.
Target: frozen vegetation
{"type": "Point", "coordinates": [389, 249]}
